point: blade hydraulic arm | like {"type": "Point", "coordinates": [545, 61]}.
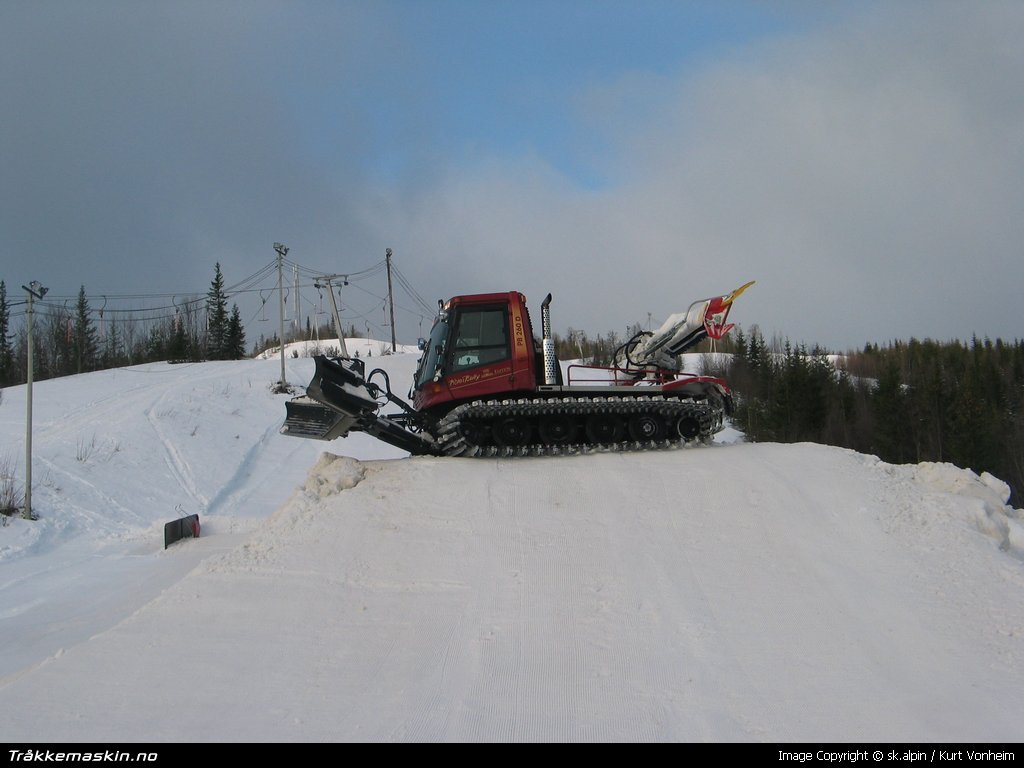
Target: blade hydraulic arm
{"type": "Point", "coordinates": [339, 399]}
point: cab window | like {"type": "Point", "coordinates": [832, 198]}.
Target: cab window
{"type": "Point", "coordinates": [481, 337]}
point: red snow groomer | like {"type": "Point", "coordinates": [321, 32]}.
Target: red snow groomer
{"type": "Point", "coordinates": [484, 386]}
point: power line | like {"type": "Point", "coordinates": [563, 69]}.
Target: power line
{"type": "Point", "coordinates": [413, 294]}
{"type": "Point", "coordinates": [149, 308]}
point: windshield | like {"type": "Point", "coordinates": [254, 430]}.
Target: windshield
{"type": "Point", "coordinates": [433, 353]}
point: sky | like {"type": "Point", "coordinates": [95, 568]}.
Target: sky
{"type": "Point", "coordinates": [722, 593]}
{"type": "Point", "coordinates": [861, 161]}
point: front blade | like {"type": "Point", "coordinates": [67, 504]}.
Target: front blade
{"type": "Point", "coordinates": [308, 418]}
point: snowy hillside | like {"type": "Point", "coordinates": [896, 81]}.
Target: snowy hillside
{"type": "Point", "coordinates": [733, 592]}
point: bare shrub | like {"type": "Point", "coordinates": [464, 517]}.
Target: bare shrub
{"type": "Point", "coordinates": [85, 449]}
{"type": "Point", "coordinates": [12, 494]}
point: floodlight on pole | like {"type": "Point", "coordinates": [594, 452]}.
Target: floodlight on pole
{"type": "Point", "coordinates": [35, 290]}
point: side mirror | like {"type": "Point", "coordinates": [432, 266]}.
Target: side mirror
{"type": "Point", "coordinates": [421, 344]}
{"type": "Point", "coordinates": [439, 354]}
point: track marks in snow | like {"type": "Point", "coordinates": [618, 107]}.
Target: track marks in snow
{"type": "Point", "coordinates": [236, 488]}
{"type": "Point", "coordinates": [174, 458]}
{"type": "Point", "coordinates": [508, 598]}
{"type": "Point", "coordinates": [564, 588]}
{"type": "Point", "coordinates": [91, 515]}
{"type": "Point", "coordinates": [701, 655]}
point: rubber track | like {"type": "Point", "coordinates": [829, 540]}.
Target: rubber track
{"type": "Point", "coordinates": [452, 442]}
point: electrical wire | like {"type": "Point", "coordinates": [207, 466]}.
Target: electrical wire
{"type": "Point", "coordinates": [154, 307]}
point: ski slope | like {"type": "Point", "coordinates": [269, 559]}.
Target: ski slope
{"type": "Point", "coordinates": [340, 592]}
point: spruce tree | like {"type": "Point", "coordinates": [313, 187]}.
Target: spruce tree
{"type": "Point", "coordinates": [112, 349]}
{"type": "Point", "coordinates": [83, 341]}
{"type": "Point", "coordinates": [156, 345]}
{"type": "Point", "coordinates": [6, 353]}
{"type": "Point", "coordinates": [235, 336]}
{"type": "Point", "coordinates": [217, 318]}
{"type": "Point", "coordinates": [177, 341]}
{"type": "Point", "coordinates": [53, 344]}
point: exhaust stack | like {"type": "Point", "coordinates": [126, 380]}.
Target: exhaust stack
{"type": "Point", "coordinates": [548, 343]}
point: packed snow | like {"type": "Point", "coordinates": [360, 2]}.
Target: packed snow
{"type": "Point", "coordinates": [346, 592]}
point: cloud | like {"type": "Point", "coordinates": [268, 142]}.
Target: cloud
{"type": "Point", "coordinates": [154, 139]}
{"type": "Point", "coordinates": [868, 176]}
{"type": "Point", "coordinates": [864, 166]}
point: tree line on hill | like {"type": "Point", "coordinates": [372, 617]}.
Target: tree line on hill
{"type": "Point", "coordinates": [905, 402]}
{"type": "Point", "coordinates": [78, 339]}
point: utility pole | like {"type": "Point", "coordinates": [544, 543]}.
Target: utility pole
{"type": "Point", "coordinates": [282, 251]}
{"type": "Point", "coordinates": [296, 323]}
{"type": "Point", "coordinates": [391, 300]}
{"type": "Point", "coordinates": [36, 291]}
{"type": "Point", "coordinates": [343, 348]}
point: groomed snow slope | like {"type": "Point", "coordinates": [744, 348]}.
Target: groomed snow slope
{"type": "Point", "coordinates": [749, 592]}
{"type": "Point", "coordinates": [724, 593]}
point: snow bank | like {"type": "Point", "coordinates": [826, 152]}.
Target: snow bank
{"type": "Point", "coordinates": [961, 496]}
{"type": "Point", "coordinates": [333, 474]}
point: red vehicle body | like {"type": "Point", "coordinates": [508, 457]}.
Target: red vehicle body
{"type": "Point", "coordinates": [485, 385]}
